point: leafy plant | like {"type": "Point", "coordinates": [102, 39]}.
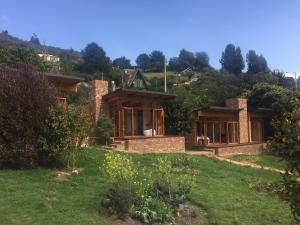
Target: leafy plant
{"type": "Point", "coordinates": [104, 127]}
{"type": "Point", "coordinates": [153, 210]}
{"type": "Point", "coordinates": [123, 178]}
{"type": "Point", "coordinates": [64, 133]}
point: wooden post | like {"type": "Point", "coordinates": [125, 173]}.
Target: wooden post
{"type": "Point", "coordinates": [152, 122]}
{"type": "Point", "coordinates": [132, 122]}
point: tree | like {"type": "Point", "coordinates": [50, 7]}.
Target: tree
{"type": "Point", "coordinates": [18, 57]}
{"type": "Point", "coordinates": [122, 63]}
{"type": "Point", "coordinates": [104, 127]}
{"type": "Point", "coordinates": [25, 98]}
{"type": "Point", "coordinates": [174, 64]}
{"type": "Point", "coordinates": [143, 61]}
{"type": "Point", "coordinates": [95, 60]}
{"type": "Point", "coordinates": [34, 39]}
{"type": "Point", "coordinates": [201, 61]}
{"type": "Point", "coordinates": [256, 63]}
{"type": "Point", "coordinates": [63, 134]}
{"type": "Point", "coordinates": [286, 143]}
{"type": "Point", "coordinates": [232, 60]}
{"type": "Point", "coordinates": [186, 59]}
{"type": "Point", "coordinates": [157, 61]}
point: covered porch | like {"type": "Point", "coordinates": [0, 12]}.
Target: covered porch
{"type": "Point", "coordinates": [137, 113]}
{"type": "Point", "coordinates": [217, 127]}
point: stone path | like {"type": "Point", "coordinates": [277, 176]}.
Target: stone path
{"type": "Point", "coordinates": [244, 164]}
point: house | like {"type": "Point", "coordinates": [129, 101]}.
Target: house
{"type": "Point", "coordinates": [49, 58]}
{"type": "Point", "coordinates": [137, 115]}
{"type": "Point", "coordinates": [64, 84]}
{"type": "Point", "coordinates": [233, 128]}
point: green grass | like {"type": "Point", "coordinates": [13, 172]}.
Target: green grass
{"type": "Point", "coordinates": [262, 160]}
{"type": "Point", "coordinates": [222, 190]}
{"type": "Point", "coordinates": [151, 75]}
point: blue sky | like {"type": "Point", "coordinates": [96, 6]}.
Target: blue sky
{"type": "Point", "coordinates": [131, 27]}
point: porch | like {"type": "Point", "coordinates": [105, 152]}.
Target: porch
{"type": "Point", "coordinates": [139, 121]}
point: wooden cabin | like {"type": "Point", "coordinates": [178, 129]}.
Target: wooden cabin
{"type": "Point", "coordinates": [137, 114]}
{"type": "Point", "coordinates": [231, 126]}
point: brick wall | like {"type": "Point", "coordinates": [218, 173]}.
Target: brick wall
{"type": "Point", "coordinates": [98, 88]}
{"type": "Point", "coordinates": [240, 103]}
{"type": "Point", "coordinates": [246, 149]}
{"type": "Point", "coordinates": [155, 145]}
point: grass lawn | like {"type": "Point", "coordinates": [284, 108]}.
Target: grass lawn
{"type": "Point", "coordinates": [222, 190]}
{"type": "Point", "coordinates": [151, 75]}
{"type": "Point", "coordinates": [262, 160]}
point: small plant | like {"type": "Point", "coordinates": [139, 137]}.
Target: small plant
{"type": "Point", "coordinates": [153, 210]}
{"type": "Point", "coordinates": [104, 127]}
{"type": "Point", "coordinates": [125, 188]}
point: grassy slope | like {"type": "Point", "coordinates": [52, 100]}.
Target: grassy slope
{"type": "Point", "coordinates": [262, 160]}
{"type": "Point", "coordinates": [151, 75]}
{"type": "Point", "coordinates": [35, 197]}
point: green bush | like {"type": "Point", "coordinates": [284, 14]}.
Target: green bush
{"type": "Point", "coordinates": [123, 178]}
{"type": "Point", "coordinates": [104, 127]}
{"type": "Point", "coordinates": [149, 196]}
{"type": "Point", "coordinates": [62, 136]}
{"type": "Point", "coordinates": [153, 210]}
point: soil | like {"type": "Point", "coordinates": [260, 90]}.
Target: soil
{"type": "Point", "coordinates": [63, 175]}
{"type": "Point", "coordinates": [190, 215]}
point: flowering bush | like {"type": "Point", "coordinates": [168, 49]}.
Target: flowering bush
{"type": "Point", "coordinates": [149, 196]}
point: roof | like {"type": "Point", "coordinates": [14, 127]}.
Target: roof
{"type": "Point", "coordinates": [125, 92]}
{"type": "Point", "coordinates": [133, 75]}
{"type": "Point", "coordinates": [217, 108]}
{"type": "Point", "coordinates": [65, 76]}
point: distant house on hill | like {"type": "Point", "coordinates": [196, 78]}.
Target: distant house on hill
{"type": "Point", "coordinates": [49, 58]}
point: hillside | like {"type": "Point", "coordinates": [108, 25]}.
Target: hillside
{"type": "Point", "coordinates": [8, 40]}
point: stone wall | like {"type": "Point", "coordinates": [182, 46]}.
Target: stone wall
{"type": "Point", "coordinates": [241, 103]}
{"type": "Point", "coordinates": [245, 149]}
{"type": "Point", "coordinates": [98, 88]}
{"type": "Point", "coordinates": [155, 144]}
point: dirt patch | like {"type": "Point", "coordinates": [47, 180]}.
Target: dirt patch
{"type": "Point", "coordinates": [189, 214]}
{"type": "Point", "coordinates": [64, 174]}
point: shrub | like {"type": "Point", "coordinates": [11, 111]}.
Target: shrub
{"type": "Point", "coordinates": [63, 134]}
{"type": "Point", "coordinates": [173, 189]}
{"type": "Point", "coordinates": [153, 210]}
{"type": "Point", "coordinates": [287, 143]}
{"type": "Point", "coordinates": [123, 178]}
{"type": "Point", "coordinates": [104, 127]}
{"type": "Point", "coordinates": [25, 98]}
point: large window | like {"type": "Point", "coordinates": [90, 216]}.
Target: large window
{"type": "Point", "coordinates": [233, 135]}
{"type": "Point", "coordinates": [219, 131]}
{"type": "Point", "coordinates": [128, 121]}
{"type": "Point", "coordinates": [256, 131]}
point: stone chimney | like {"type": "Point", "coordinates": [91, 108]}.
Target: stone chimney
{"type": "Point", "coordinates": [241, 104]}
{"type": "Point", "coordinates": [98, 88]}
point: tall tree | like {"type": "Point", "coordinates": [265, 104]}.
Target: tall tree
{"type": "Point", "coordinates": [122, 62]}
{"type": "Point", "coordinates": [157, 60]}
{"type": "Point", "coordinates": [201, 61]}
{"type": "Point", "coordinates": [186, 59]}
{"type": "Point", "coordinates": [34, 39]}
{"type": "Point", "coordinates": [95, 60]}
{"type": "Point", "coordinates": [143, 61]}
{"type": "Point", "coordinates": [256, 63]}
{"type": "Point", "coordinates": [174, 64]}
{"type": "Point", "coordinates": [232, 60]}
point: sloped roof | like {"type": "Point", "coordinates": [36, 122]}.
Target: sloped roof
{"type": "Point", "coordinates": [132, 76]}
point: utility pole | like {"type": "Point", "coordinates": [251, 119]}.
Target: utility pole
{"type": "Point", "coordinates": [165, 74]}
